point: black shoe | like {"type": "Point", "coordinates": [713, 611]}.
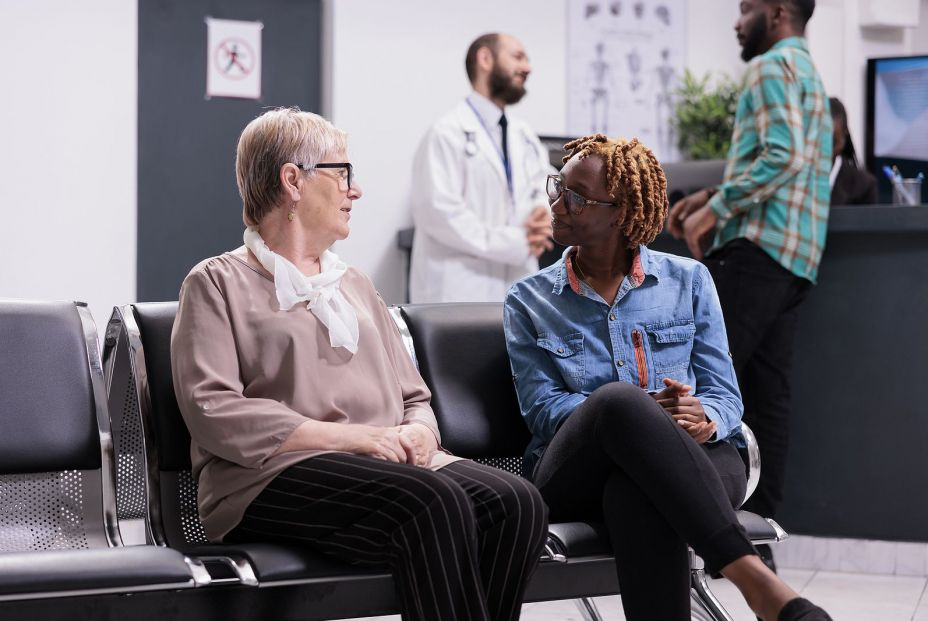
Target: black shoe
{"type": "Point", "coordinates": [801, 609]}
{"type": "Point", "coordinates": [766, 555]}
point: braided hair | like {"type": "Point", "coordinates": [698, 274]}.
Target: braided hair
{"type": "Point", "coordinates": [634, 178]}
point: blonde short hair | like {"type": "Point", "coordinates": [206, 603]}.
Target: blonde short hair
{"type": "Point", "coordinates": [273, 139]}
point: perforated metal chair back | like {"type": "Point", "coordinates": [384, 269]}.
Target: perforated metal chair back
{"type": "Point", "coordinates": [128, 436]}
{"type": "Point", "coordinates": [148, 427]}
{"type": "Point", "coordinates": [55, 469]}
{"type": "Point", "coordinates": [461, 353]}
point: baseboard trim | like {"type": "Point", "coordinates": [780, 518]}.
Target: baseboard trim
{"type": "Point", "coordinates": [853, 555]}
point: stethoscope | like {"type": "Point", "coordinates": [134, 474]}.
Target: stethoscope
{"type": "Point", "coordinates": [470, 149]}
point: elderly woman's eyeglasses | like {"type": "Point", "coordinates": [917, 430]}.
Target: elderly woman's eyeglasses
{"type": "Point", "coordinates": [346, 175]}
{"type": "Point", "coordinates": [574, 201]}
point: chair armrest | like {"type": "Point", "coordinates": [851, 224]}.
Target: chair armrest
{"type": "Point", "coordinates": [753, 461]}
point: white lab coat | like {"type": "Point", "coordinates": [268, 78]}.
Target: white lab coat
{"type": "Point", "coordinates": [470, 244]}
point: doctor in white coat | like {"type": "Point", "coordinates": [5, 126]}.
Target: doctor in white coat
{"type": "Point", "coordinates": [478, 193]}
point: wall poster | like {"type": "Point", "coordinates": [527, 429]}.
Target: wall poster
{"type": "Point", "coordinates": [625, 59]}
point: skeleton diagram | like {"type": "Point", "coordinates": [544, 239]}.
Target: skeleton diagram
{"type": "Point", "coordinates": [601, 82]}
{"type": "Point", "coordinates": [667, 77]}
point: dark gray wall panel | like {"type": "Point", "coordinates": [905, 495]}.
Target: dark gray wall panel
{"type": "Point", "coordinates": [858, 464]}
{"type": "Point", "coordinates": [188, 204]}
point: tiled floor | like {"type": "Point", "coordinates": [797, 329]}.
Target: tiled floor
{"type": "Point", "coordinates": [846, 596]}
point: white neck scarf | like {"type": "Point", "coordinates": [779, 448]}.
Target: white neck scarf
{"type": "Point", "coordinates": [320, 292]}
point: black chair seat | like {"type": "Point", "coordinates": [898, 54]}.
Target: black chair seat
{"type": "Point", "coordinates": [580, 538]}
{"type": "Point", "coordinates": [759, 530]}
{"type": "Point", "coordinates": [590, 538]}
{"type": "Point", "coordinates": [55, 573]}
{"type": "Point", "coordinates": [277, 562]}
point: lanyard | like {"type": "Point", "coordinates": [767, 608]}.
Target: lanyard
{"type": "Point", "coordinates": [507, 166]}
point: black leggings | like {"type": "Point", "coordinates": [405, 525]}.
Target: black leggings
{"type": "Point", "coordinates": [620, 458]}
{"type": "Point", "coordinates": [462, 541]}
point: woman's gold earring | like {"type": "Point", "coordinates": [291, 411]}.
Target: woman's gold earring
{"type": "Point", "coordinates": [290, 216]}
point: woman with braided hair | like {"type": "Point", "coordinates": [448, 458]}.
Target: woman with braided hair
{"type": "Point", "coordinates": [621, 365]}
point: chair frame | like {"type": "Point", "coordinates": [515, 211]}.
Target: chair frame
{"type": "Point", "coordinates": [102, 496]}
{"type": "Point", "coordinates": [123, 331]}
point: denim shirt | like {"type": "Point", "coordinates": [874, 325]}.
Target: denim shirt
{"type": "Point", "coordinates": [565, 341]}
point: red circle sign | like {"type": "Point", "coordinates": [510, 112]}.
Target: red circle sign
{"type": "Point", "coordinates": [234, 58]}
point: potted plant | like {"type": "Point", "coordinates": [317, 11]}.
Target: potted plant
{"type": "Point", "coordinates": [705, 116]}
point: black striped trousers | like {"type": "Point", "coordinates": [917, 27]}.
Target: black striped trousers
{"type": "Point", "coordinates": [462, 541]}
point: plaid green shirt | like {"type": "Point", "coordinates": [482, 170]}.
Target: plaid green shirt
{"type": "Point", "coordinates": [776, 190]}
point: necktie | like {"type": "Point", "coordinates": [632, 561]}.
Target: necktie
{"type": "Point", "coordinates": [504, 125]}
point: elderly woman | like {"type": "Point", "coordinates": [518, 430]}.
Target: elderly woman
{"type": "Point", "coordinates": [622, 370]}
{"type": "Point", "coordinates": [309, 422]}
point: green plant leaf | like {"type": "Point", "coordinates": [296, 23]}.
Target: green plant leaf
{"type": "Point", "coordinates": [705, 116]}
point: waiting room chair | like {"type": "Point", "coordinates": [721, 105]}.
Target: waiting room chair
{"type": "Point", "coordinates": [461, 353]}
{"type": "Point", "coordinates": [291, 582]}
{"type": "Point", "coordinates": [59, 536]}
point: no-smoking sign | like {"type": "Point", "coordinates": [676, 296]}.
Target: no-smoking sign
{"type": "Point", "coordinates": [234, 58]}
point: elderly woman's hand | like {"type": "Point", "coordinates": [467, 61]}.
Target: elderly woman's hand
{"type": "Point", "coordinates": [419, 443]}
{"type": "Point", "coordinates": [686, 409]}
{"type": "Point", "coordinates": [380, 442]}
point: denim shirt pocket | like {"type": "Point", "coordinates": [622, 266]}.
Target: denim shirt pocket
{"type": "Point", "coordinates": [568, 356]}
{"type": "Point", "coordinates": [671, 345]}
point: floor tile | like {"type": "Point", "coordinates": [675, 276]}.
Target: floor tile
{"type": "Point", "coordinates": [865, 597]}
{"type": "Point", "coordinates": [921, 613]}
{"type": "Point", "coordinates": [796, 578]}
{"type": "Point", "coordinates": [566, 610]}
{"type": "Point", "coordinates": [846, 596]}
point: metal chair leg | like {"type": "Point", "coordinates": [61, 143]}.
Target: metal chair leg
{"type": "Point", "coordinates": [702, 597]}
{"type": "Point", "coordinates": [588, 609]}
{"type": "Point", "coordinates": [697, 612]}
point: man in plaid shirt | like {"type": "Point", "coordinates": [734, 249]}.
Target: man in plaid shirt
{"type": "Point", "coordinates": [769, 218]}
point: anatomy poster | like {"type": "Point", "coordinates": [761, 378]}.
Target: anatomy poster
{"type": "Point", "coordinates": [625, 59]}
{"type": "Point", "coordinates": [233, 60]}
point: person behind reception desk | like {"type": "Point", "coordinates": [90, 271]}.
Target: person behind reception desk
{"type": "Point", "coordinates": [850, 184]}
{"type": "Point", "coordinates": [478, 201]}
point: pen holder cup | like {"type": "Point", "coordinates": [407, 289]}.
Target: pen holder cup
{"type": "Point", "coordinates": [908, 192]}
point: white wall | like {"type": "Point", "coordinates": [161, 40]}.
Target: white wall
{"type": "Point", "coordinates": [68, 151]}
{"type": "Point", "coordinates": [840, 48]}
{"type": "Point", "coordinates": [68, 147]}
{"type": "Point", "coordinates": [398, 66]}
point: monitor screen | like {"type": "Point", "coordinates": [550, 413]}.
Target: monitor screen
{"type": "Point", "coordinates": [897, 116]}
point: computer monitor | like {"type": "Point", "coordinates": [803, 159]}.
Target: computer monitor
{"type": "Point", "coordinates": [897, 117]}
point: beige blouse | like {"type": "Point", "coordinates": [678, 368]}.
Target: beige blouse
{"type": "Point", "coordinates": [246, 375]}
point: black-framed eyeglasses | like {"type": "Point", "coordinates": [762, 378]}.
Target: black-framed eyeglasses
{"type": "Point", "coordinates": [574, 201]}
{"type": "Point", "coordinates": [348, 175]}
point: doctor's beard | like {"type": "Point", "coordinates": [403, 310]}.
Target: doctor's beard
{"type": "Point", "coordinates": [503, 87]}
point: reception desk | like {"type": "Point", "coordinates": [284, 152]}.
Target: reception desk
{"type": "Point", "coordinates": [858, 464]}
